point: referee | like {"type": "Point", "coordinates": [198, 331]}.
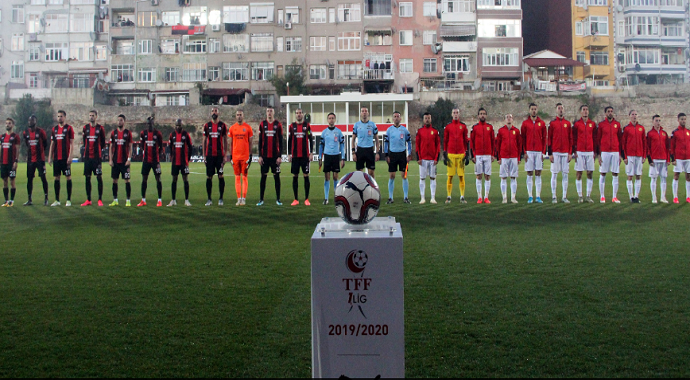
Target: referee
{"type": "Point", "coordinates": [364, 134]}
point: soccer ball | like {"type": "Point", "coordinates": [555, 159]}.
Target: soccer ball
{"type": "Point", "coordinates": [360, 259]}
{"type": "Point", "coordinates": [357, 198]}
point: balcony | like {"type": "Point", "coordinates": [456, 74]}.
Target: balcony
{"type": "Point", "coordinates": [378, 75]}
{"type": "Point", "coordinates": [459, 46]}
{"type": "Point", "coordinates": [598, 71]}
{"type": "Point", "coordinates": [458, 30]}
{"type": "Point", "coordinates": [596, 42]}
{"type": "Point", "coordinates": [464, 17]}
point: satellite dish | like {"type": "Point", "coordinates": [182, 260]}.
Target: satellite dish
{"type": "Point", "coordinates": [159, 22]}
{"type": "Point", "coordinates": [638, 67]}
{"type": "Point", "coordinates": [619, 8]}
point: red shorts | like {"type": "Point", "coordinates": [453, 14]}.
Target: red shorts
{"type": "Point", "coordinates": [240, 167]}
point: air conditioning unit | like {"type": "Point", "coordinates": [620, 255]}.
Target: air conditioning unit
{"type": "Point", "coordinates": [288, 25]}
{"type": "Point", "coordinates": [215, 28]}
{"type": "Point", "coordinates": [155, 2]}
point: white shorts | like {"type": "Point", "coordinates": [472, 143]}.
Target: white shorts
{"type": "Point", "coordinates": [584, 162]}
{"type": "Point", "coordinates": [483, 165]}
{"type": "Point", "coordinates": [610, 162]}
{"type": "Point", "coordinates": [658, 168]}
{"type": "Point", "coordinates": [634, 166]}
{"type": "Point", "coordinates": [509, 167]}
{"type": "Point", "coordinates": [560, 163]}
{"type": "Point", "coordinates": [427, 168]}
{"type": "Point", "coordinates": [535, 161]}
{"type": "Point", "coordinates": [682, 166]}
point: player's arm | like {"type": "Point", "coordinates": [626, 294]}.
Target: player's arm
{"type": "Point", "coordinates": [50, 150]}
{"type": "Point", "coordinates": [15, 149]}
{"type": "Point", "coordinates": [190, 146]}
{"type": "Point", "coordinates": [251, 140]}
{"type": "Point", "coordinates": [497, 148]}
{"type": "Point", "coordinates": [437, 147]}
{"type": "Point", "coordinates": [574, 135]}
{"type": "Point", "coordinates": [102, 140]}
{"type": "Point", "coordinates": [281, 146]}
{"type": "Point", "coordinates": [418, 146]}
{"type": "Point", "coordinates": [228, 147]}
{"type": "Point", "coordinates": [291, 136]}
{"type": "Point", "coordinates": [130, 152]}
{"type": "Point", "coordinates": [110, 148]}
{"type": "Point", "coordinates": [311, 140]}
{"type": "Point", "coordinates": [543, 141]}
{"type": "Point", "coordinates": [342, 150]}
{"type": "Point", "coordinates": [353, 144]}
{"type": "Point", "coordinates": [322, 143]}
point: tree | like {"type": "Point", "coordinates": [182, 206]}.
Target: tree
{"type": "Point", "coordinates": [441, 114]}
{"type": "Point", "coordinates": [294, 75]}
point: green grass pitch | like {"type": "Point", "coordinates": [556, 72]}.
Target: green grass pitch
{"type": "Point", "coordinates": [491, 290]}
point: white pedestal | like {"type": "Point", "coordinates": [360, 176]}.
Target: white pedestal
{"type": "Point", "coordinates": [357, 305]}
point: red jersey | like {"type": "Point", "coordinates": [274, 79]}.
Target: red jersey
{"type": "Point", "coordinates": [634, 141]}
{"type": "Point", "coordinates": [609, 135]}
{"type": "Point", "coordinates": [680, 144]}
{"type": "Point", "coordinates": [455, 140]}
{"type": "Point", "coordinates": [584, 133]}
{"type": "Point", "coordinates": [36, 142]}
{"type": "Point", "coordinates": [94, 141]}
{"type": "Point", "coordinates": [9, 148]}
{"type": "Point", "coordinates": [152, 145]}
{"type": "Point", "coordinates": [119, 141]}
{"type": "Point", "coordinates": [270, 139]}
{"type": "Point", "coordinates": [658, 145]}
{"type": "Point", "coordinates": [482, 139]}
{"type": "Point", "coordinates": [508, 143]}
{"type": "Point", "coordinates": [560, 136]}
{"type": "Point", "coordinates": [215, 139]}
{"type": "Point", "coordinates": [533, 135]}
{"type": "Point", "coordinates": [180, 148]}
{"type": "Point", "coordinates": [428, 143]}
{"type": "Point", "coordinates": [62, 137]}
{"type": "Point", "coordinates": [301, 140]}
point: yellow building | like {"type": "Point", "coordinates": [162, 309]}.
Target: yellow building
{"type": "Point", "coordinates": [593, 42]}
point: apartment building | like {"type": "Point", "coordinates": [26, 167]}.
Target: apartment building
{"type": "Point", "coordinates": [499, 44]}
{"type": "Point", "coordinates": [593, 42]}
{"type": "Point", "coordinates": [12, 46]}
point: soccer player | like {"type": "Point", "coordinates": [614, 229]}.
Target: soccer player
{"type": "Point", "coordinates": [151, 142]}
{"type": "Point", "coordinates": [9, 156]}
{"type": "Point", "coordinates": [658, 147]}
{"type": "Point", "coordinates": [560, 152]}
{"type": "Point", "coordinates": [120, 158]}
{"type": "Point", "coordinates": [609, 135]}
{"type": "Point", "coordinates": [364, 137]}
{"type": "Point", "coordinates": [215, 150]}
{"type": "Point", "coordinates": [456, 144]}
{"type": "Point", "coordinates": [300, 147]}
{"type": "Point", "coordinates": [270, 153]}
{"type": "Point", "coordinates": [395, 142]}
{"type": "Point", "coordinates": [180, 152]}
{"type": "Point", "coordinates": [331, 154]}
{"type": "Point", "coordinates": [533, 131]}
{"type": "Point", "coordinates": [634, 150]}
{"type": "Point", "coordinates": [36, 140]}
{"type": "Point", "coordinates": [508, 152]}
{"type": "Point", "coordinates": [482, 152]}
{"type": "Point", "coordinates": [241, 136]}
{"type": "Point", "coordinates": [428, 146]}
{"type": "Point", "coordinates": [584, 133]}
{"type": "Point", "coordinates": [61, 153]}
{"type": "Point", "coordinates": [94, 141]}
{"type": "Point", "coordinates": [680, 157]}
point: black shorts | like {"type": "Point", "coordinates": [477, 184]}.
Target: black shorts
{"type": "Point", "coordinates": [60, 167]}
{"type": "Point", "coordinates": [214, 165]}
{"type": "Point", "coordinates": [92, 166]}
{"type": "Point", "coordinates": [270, 164]}
{"type": "Point", "coordinates": [331, 163]}
{"type": "Point", "coordinates": [366, 158]}
{"type": "Point", "coordinates": [177, 169]}
{"type": "Point", "coordinates": [398, 162]}
{"type": "Point", "coordinates": [120, 170]}
{"type": "Point", "coordinates": [31, 168]}
{"type": "Point", "coordinates": [7, 172]}
{"type": "Point", "coordinates": [300, 163]}
{"type": "Point", "coordinates": [147, 167]}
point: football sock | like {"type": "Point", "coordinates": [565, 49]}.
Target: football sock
{"type": "Point", "coordinates": [391, 188]}
{"type": "Point", "coordinates": [88, 188]}
{"type": "Point", "coordinates": [115, 191]}
{"type": "Point", "coordinates": [554, 182]}
{"type": "Point", "coordinates": [159, 187]}
{"type": "Point", "coordinates": [422, 187]}
{"type": "Point", "coordinates": [675, 188]}
{"type": "Point", "coordinates": [99, 180]}
{"type": "Point", "coordinates": [478, 184]}
{"type": "Point", "coordinates": [432, 185]}
{"type": "Point", "coordinates": [69, 189]}
{"type": "Point", "coordinates": [462, 186]}
{"type": "Point", "coordinates": [687, 189]}
{"type": "Point", "coordinates": [537, 182]}
{"type": "Point", "coordinates": [174, 189]}
{"type": "Point", "coordinates": [238, 186]}
{"type": "Point", "coordinates": [6, 192]}
{"type": "Point", "coordinates": [638, 187]}
{"type": "Point", "coordinates": [487, 188]}
{"type": "Point", "coordinates": [13, 191]}
{"type": "Point", "coordinates": [629, 184]}
{"type": "Point", "coordinates": [614, 182]}
{"type": "Point", "coordinates": [221, 187]}
{"type": "Point", "coordinates": [57, 190]}
{"type": "Point", "coordinates": [209, 187]}
{"type": "Point", "coordinates": [406, 187]}
{"type": "Point", "coordinates": [144, 186]}
{"type": "Point", "coordinates": [652, 186]}
{"type": "Point", "coordinates": [602, 185]}
{"type": "Point", "coordinates": [564, 184]}
{"type": "Point", "coordinates": [529, 186]}
{"type": "Point", "coordinates": [504, 188]}
{"type": "Point", "coordinates": [327, 188]}
{"type": "Point", "coordinates": [128, 189]}
{"type": "Point", "coordinates": [590, 184]}
{"type": "Point", "coordinates": [295, 186]}
{"type": "Point", "coordinates": [513, 186]}
{"type": "Point", "coordinates": [30, 187]}
{"type": "Point", "coordinates": [663, 188]}
{"type": "Point", "coordinates": [262, 187]}
{"type": "Point", "coordinates": [276, 177]}
{"type": "Point", "coordinates": [186, 190]}
{"type": "Point", "coordinates": [245, 186]}
{"type": "Point", "coordinates": [449, 186]}
{"type": "Point", "coordinates": [578, 186]}
{"type": "Point", "coordinates": [307, 186]}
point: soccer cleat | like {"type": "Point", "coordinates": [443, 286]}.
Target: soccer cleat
{"type": "Point", "coordinates": [538, 200]}
{"type": "Point", "coordinates": [55, 204]}
{"type": "Point", "coordinates": [239, 202]}
{"type": "Point", "coordinates": [45, 202]}
{"type": "Point", "coordinates": [687, 199]}
{"type": "Point", "coordinates": [423, 201]}
{"type": "Point", "coordinates": [632, 200]}
{"type": "Point", "coordinates": [615, 200]}
{"type": "Point", "coordinates": [664, 200]}
{"type": "Point", "coordinates": [208, 203]}
{"type": "Point", "coordinates": [463, 200]}
{"type": "Point", "coordinates": [448, 200]}
{"type": "Point", "coordinates": [220, 202]}
{"type": "Point", "coordinates": [580, 200]}
{"type": "Point", "coordinates": [675, 200]}
{"type": "Point", "coordinates": [589, 200]}
{"type": "Point", "coordinates": [390, 202]}
{"type": "Point", "coordinates": [68, 204]}
{"type": "Point", "coordinates": [325, 202]}
{"type": "Point", "coordinates": [279, 203]}
{"type": "Point", "coordinates": [306, 202]}
{"type": "Point", "coordinates": [654, 201]}
{"type": "Point", "coordinates": [5, 204]}
{"type": "Point", "coordinates": [87, 203]}
{"type": "Point", "coordinates": [10, 204]}
{"type": "Point", "coordinates": [505, 201]}
{"type": "Point", "coordinates": [128, 204]}
{"type": "Point", "coordinates": [244, 201]}
{"type": "Point", "coordinates": [115, 203]}
{"type": "Point", "coordinates": [602, 200]}
{"type": "Point", "coordinates": [186, 203]}
{"type": "Point", "coordinates": [294, 203]}
{"type": "Point", "coordinates": [28, 203]}
{"type": "Point", "coordinates": [261, 203]}
{"type": "Point", "coordinates": [433, 201]}
{"type": "Point", "coordinates": [530, 200]}
{"type": "Point", "coordinates": [513, 200]}
{"type": "Point", "coordinates": [407, 201]}
{"type": "Point", "coordinates": [172, 203]}
{"type": "Point", "coordinates": [100, 203]}
{"type": "Point", "coordinates": [159, 204]}
{"type": "Point", "coordinates": [637, 200]}
{"type": "Point", "coordinates": [480, 200]}
{"type": "Point", "coordinates": [141, 204]}
{"type": "Point", "coordinates": [487, 201]}
{"type": "Point", "coordinates": [554, 200]}
{"type": "Point", "coordinates": [565, 200]}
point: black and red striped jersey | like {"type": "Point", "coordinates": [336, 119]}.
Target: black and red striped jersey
{"type": "Point", "coordinates": [215, 139]}
{"type": "Point", "coordinates": [119, 141]}
{"type": "Point", "coordinates": [36, 141]}
{"type": "Point", "coordinates": [151, 144]}
{"type": "Point", "coordinates": [270, 139]}
{"type": "Point", "coordinates": [62, 136]}
{"type": "Point", "coordinates": [9, 148]}
{"type": "Point", "coordinates": [301, 140]}
{"type": "Point", "coordinates": [94, 141]}
{"type": "Point", "coordinates": [180, 148]}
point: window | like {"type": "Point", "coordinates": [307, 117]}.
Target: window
{"type": "Point", "coordinates": [170, 18]}
{"type": "Point", "coordinates": [429, 9]}
{"type": "Point", "coordinates": [599, 58]}
{"type": "Point", "coordinates": [406, 66]}
{"type": "Point", "coordinates": [498, 4]}
{"type": "Point", "coordinates": [318, 15]}
{"type": "Point", "coordinates": [147, 74]}
{"type": "Point", "coordinates": [18, 14]}
{"type": "Point", "coordinates": [194, 72]}
{"type": "Point", "coordinates": [194, 44]}
{"type": "Point", "coordinates": [101, 53]}
{"type": "Point", "coordinates": [331, 43]}
{"type": "Point", "coordinates": [429, 37]}
{"type": "Point", "coordinates": [147, 19]}
{"type": "Point", "coordinates": [172, 74]}
{"type": "Point", "coordinates": [261, 13]}
{"type": "Point", "coordinates": [377, 7]}
{"type": "Point", "coordinates": [34, 24]}
{"type": "Point", "coordinates": [122, 73]}
{"type": "Point", "coordinates": [81, 51]}
{"type": "Point", "coordinates": [379, 38]}
{"type": "Point", "coordinates": [214, 73]}
{"type": "Point", "coordinates": [264, 100]}
{"type": "Point", "coordinates": [132, 100]}
{"type": "Point", "coordinates": [456, 64]}
{"type": "Point", "coordinates": [349, 69]}
{"type": "Point", "coordinates": [17, 70]}
{"type": "Point", "coordinates": [581, 57]}
{"type": "Point", "coordinates": [17, 42]}
{"type": "Point", "coordinates": [430, 65]}
{"type": "Point", "coordinates": [235, 71]}
{"type": "Point", "coordinates": [578, 28]}
{"type": "Point", "coordinates": [236, 14]}
{"type": "Point", "coordinates": [235, 43]}
{"type": "Point", "coordinates": [292, 14]}
{"type": "Point", "coordinates": [642, 26]}
{"type": "Point", "coordinates": [195, 16]}
{"type": "Point", "coordinates": [82, 2]}
{"type": "Point", "coordinates": [406, 37]}
{"type": "Point", "coordinates": [124, 47]}
{"type": "Point", "coordinates": [38, 2]}
{"type": "Point", "coordinates": [146, 47]}
{"type": "Point", "coordinates": [262, 70]}
{"type": "Point", "coordinates": [33, 80]}
{"type": "Point", "coordinates": [82, 22]}
{"type": "Point", "coordinates": [601, 83]}
{"type": "Point", "coordinates": [214, 45]}
{"type": "Point", "coordinates": [673, 30]}
{"type": "Point", "coordinates": [174, 100]}
{"type": "Point", "coordinates": [601, 3]}
{"type": "Point", "coordinates": [349, 13]}
{"type": "Point", "coordinates": [349, 41]}
{"type": "Point", "coordinates": [214, 17]}
{"type": "Point", "coordinates": [458, 6]}
{"type": "Point", "coordinates": [55, 2]}
{"type": "Point", "coordinates": [279, 44]}
{"type": "Point", "coordinates": [621, 28]}
{"type": "Point", "coordinates": [331, 15]}
{"type": "Point", "coordinates": [262, 42]}
{"type": "Point", "coordinates": [56, 23]}
{"type": "Point", "coordinates": [490, 28]}
{"type": "Point", "coordinates": [500, 57]}
{"type": "Point", "coordinates": [644, 56]}
{"type": "Point", "coordinates": [56, 51]}
{"type": "Point", "coordinates": [293, 44]}
{"type": "Point", "coordinates": [405, 10]}
{"type": "Point", "coordinates": [170, 46]}
{"type": "Point", "coordinates": [318, 72]}
{"type": "Point", "coordinates": [34, 52]}
{"type": "Point", "coordinates": [598, 25]}
{"type": "Point", "coordinates": [317, 43]}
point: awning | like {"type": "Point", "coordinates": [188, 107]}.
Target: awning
{"type": "Point", "coordinates": [458, 30]}
{"type": "Point", "coordinates": [552, 62]}
{"type": "Point", "coordinates": [127, 92]}
{"type": "Point", "coordinates": [224, 91]}
{"type": "Point", "coordinates": [379, 30]}
{"type": "Point", "coordinates": [235, 27]}
{"type": "Point", "coordinates": [188, 30]}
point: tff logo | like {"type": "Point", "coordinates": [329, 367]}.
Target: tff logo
{"type": "Point", "coordinates": [356, 262]}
